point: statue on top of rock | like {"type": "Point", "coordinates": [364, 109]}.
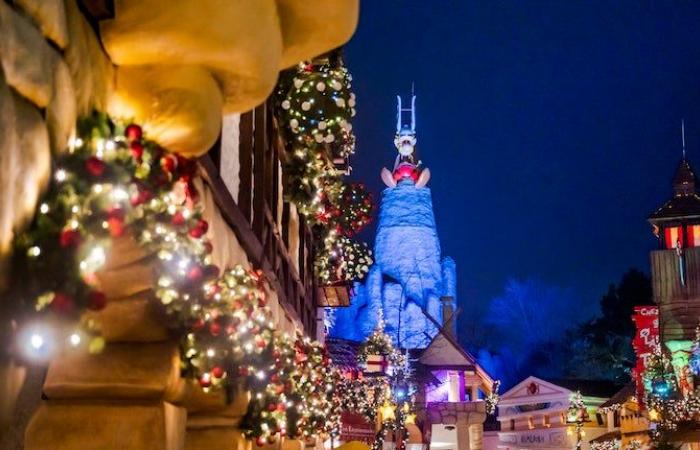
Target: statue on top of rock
{"type": "Point", "coordinates": [409, 280]}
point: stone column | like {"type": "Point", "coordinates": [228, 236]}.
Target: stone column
{"type": "Point", "coordinates": [125, 396]}
{"type": "Point", "coordinates": [463, 435]}
{"type": "Point", "coordinates": [476, 436]}
{"type": "Point", "coordinates": [474, 392]}
{"type": "Point", "coordinates": [212, 424]}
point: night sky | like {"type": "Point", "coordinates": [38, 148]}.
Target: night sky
{"type": "Point", "coordinates": [552, 129]}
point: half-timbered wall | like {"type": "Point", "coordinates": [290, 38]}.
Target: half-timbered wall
{"type": "Point", "coordinates": [246, 171]}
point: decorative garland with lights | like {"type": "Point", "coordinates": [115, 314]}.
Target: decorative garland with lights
{"type": "Point", "coordinates": [110, 181]}
{"type": "Point", "coordinates": [315, 106]}
{"type": "Point", "coordinates": [611, 444]}
{"type": "Point", "coordinates": [668, 406]}
{"type": "Point", "coordinates": [578, 415]}
{"type": "Point", "coordinates": [318, 106]}
{"type": "Point", "coordinates": [493, 398]}
{"type": "Point", "coordinates": [351, 210]}
{"type": "Point", "coordinates": [363, 396]}
{"type": "Point", "coordinates": [380, 343]}
{"type": "Point", "coordinates": [114, 184]}
{"type": "Point", "coordinates": [341, 259]}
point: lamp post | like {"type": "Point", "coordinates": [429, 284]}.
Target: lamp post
{"type": "Point", "coordinates": [577, 415]}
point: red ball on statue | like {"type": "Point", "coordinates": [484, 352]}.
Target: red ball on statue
{"type": "Point", "coordinates": [133, 132]}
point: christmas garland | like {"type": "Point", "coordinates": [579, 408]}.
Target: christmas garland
{"type": "Point", "coordinates": [113, 184]}
{"type": "Point", "coordinates": [380, 343]}
{"type": "Point", "coordinates": [611, 444]}
{"type": "Point", "coordinates": [493, 398]}
{"type": "Point", "coordinates": [363, 396]}
{"type": "Point", "coordinates": [315, 106]}
{"type": "Point", "coordinates": [350, 209]}
{"type": "Point", "coordinates": [318, 105]}
{"type": "Point", "coordinates": [341, 259]}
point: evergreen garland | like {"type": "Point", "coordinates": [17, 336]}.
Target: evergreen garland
{"type": "Point", "coordinates": [113, 184]}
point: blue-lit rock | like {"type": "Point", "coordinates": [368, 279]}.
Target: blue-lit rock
{"type": "Point", "coordinates": [408, 276]}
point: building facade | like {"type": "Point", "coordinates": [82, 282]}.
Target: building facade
{"type": "Point", "coordinates": [534, 414]}
{"type": "Point", "coordinates": [196, 76]}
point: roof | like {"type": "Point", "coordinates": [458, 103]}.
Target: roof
{"type": "Point", "coordinates": [685, 202]}
{"type": "Point", "coordinates": [621, 396]}
{"type": "Point", "coordinates": [588, 388]}
{"type": "Point", "coordinates": [343, 353]}
{"type": "Point", "coordinates": [609, 436]}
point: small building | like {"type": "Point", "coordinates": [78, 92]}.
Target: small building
{"type": "Point", "coordinates": [627, 424]}
{"type": "Point", "coordinates": [450, 392]}
{"type": "Point", "coordinates": [534, 414]}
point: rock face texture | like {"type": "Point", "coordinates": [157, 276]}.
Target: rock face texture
{"type": "Point", "coordinates": [409, 276]}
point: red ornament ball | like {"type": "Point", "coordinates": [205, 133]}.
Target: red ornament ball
{"type": "Point", "coordinates": [133, 132]}
{"type": "Point", "coordinates": [136, 149]}
{"type": "Point", "coordinates": [214, 329]}
{"type": "Point", "coordinates": [178, 219]}
{"type": "Point", "coordinates": [69, 238]}
{"type": "Point", "coordinates": [198, 325]}
{"type": "Point", "coordinates": [217, 371]}
{"type": "Point", "coordinates": [168, 163]}
{"type": "Point", "coordinates": [62, 303]}
{"type": "Point", "coordinates": [195, 273]}
{"type": "Point", "coordinates": [97, 300]}
{"type": "Point", "coordinates": [95, 166]}
{"type": "Point", "coordinates": [205, 380]}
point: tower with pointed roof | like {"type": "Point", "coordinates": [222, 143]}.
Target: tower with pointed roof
{"type": "Point", "coordinates": [675, 265]}
{"type": "Point", "coordinates": [410, 284]}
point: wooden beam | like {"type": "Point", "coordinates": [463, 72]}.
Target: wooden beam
{"type": "Point", "coordinates": [245, 157]}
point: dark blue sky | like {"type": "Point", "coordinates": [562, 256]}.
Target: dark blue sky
{"type": "Point", "coordinates": [552, 128]}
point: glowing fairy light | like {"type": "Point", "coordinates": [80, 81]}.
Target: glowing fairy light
{"type": "Point", "coordinates": [74, 339]}
{"type": "Point", "coordinates": [36, 341]}
{"type": "Point", "coordinates": [60, 175]}
{"type": "Point", "coordinates": [119, 194]}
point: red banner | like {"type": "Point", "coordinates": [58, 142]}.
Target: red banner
{"type": "Point", "coordinates": [646, 340]}
{"type": "Point", "coordinates": [354, 427]}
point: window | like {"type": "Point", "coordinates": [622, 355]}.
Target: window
{"type": "Point", "coordinates": [512, 424]}
{"type": "Point", "coordinates": [530, 422]}
{"type": "Point", "coordinates": [545, 421]}
{"type": "Point", "coordinates": [673, 237]}
{"type": "Point", "coordinates": [693, 235]}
